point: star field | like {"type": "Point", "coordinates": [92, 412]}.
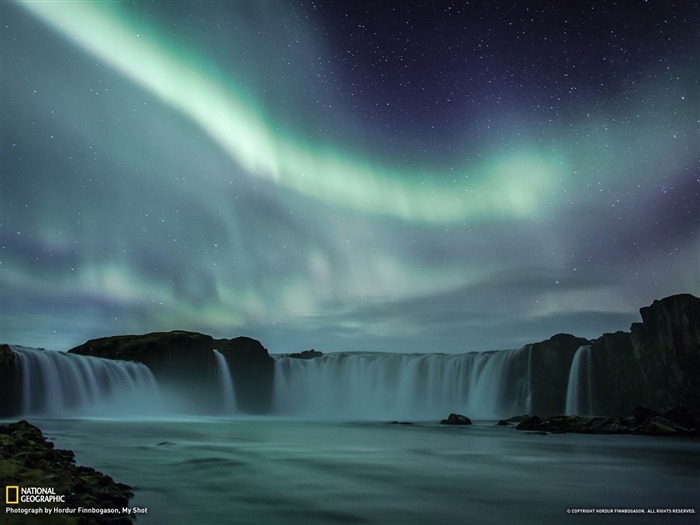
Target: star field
{"type": "Point", "coordinates": [447, 176]}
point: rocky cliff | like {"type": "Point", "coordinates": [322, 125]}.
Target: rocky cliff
{"type": "Point", "coordinates": [615, 394]}
{"type": "Point", "coordinates": [656, 364]}
{"type": "Point", "coordinates": [549, 364]}
{"type": "Point", "coordinates": [185, 360]}
{"type": "Point", "coordinates": [9, 388]}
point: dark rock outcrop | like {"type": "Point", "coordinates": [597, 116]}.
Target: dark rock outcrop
{"type": "Point", "coordinates": [306, 354]}
{"type": "Point", "coordinates": [675, 422]}
{"type": "Point", "coordinates": [574, 424]}
{"type": "Point", "coordinates": [9, 383]}
{"type": "Point", "coordinates": [656, 364]}
{"type": "Point", "coordinates": [456, 419]}
{"type": "Point", "coordinates": [550, 362]}
{"type": "Point", "coordinates": [185, 360]}
{"type": "Point", "coordinates": [253, 372]}
{"type": "Point", "coordinates": [615, 393]}
{"type": "Point", "coordinates": [29, 460]}
{"type": "Point", "coordinates": [667, 346]}
{"type": "Point", "coordinates": [514, 419]}
{"type": "Point", "coordinates": [169, 352]}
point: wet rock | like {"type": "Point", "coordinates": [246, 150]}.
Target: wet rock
{"type": "Point", "coordinates": [641, 414]}
{"type": "Point", "coordinates": [683, 417]}
{"type": "Point", "coordinates": [531, 423]}
{"type": "Point", "coordinates": [456, 419]}
{"type": "Point", "coordinates": [644, 421]}
{"type": "Point", "coordinates": [29, 460]}
{"type": "Point", "coordinates": [514, 419]}
{"type": "Point", "coordinates": [658, 426]}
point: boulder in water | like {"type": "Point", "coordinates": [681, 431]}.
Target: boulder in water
{"type": "Point", "coordinates": [456, 419]}
{"type": "Point", "coordinates": [531, 423]}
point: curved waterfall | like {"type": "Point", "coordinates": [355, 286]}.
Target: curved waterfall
{"type": "Point", "coordinates": [57, 384]}
{"type": "Point", "coordinates": [404, 386]}
{"type": "Point", "coordinates": [349, 386]}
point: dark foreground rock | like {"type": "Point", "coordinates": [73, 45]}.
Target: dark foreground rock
{"type": "Point", "coordinates": [456, 419]}
{"type": "Point", "coordinates": [675, 422]}
{"type": "Point", "coordinates": [186, 360]}
{"type": "Point", "coordinates": [29, 460]}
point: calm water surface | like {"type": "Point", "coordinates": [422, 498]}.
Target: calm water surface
{"type": "Point", "coordinates": [282, 471]}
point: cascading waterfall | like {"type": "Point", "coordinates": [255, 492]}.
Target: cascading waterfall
{"type": "Point", "coordinates": [355, 386]}
{"type": "Point", "coordinates": [395, 386]}
{"type": "Point", "coordinates": [228, 398]}
{"type": "Point", "coordinates": [579, 392]}
{"type": "Point", "coordinates": [57, 384]}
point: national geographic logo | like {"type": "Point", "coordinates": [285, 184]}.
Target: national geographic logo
{"type": "Point", "coordinates": [14, 495]}
{"type": "Point", "coordinates": [11, 495]}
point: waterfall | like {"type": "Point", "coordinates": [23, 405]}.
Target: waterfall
{"type": "Point", "coordinates": [57, 384]}
{"type": "Point", "coordinates": [579, 392]}
{"type": "Point", "coordinates": [396, 386]}
{"type": "Point", "coordinates": [228, 398]}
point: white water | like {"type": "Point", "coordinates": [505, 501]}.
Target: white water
{"type": "Point", "coordinates": [404, 386]}
{"type": "Point", "coordinates": [579, 393]}
{"type": "Point", "coordinates": [343, 386]}
{"type": "Point", "coordinates": [228, 398]}
{"type": "Point", "coordinates": [58, 384]}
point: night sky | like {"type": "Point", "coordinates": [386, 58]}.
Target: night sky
{"type": "Point", "coordinates": [390, 176]}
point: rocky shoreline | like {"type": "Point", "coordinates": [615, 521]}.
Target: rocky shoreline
{"type": "Point", "coordinates": [30, 460]}
{"type": "Point", "coordinates": [644, 421]}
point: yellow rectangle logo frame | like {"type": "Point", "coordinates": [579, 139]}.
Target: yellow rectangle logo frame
{"type": "Point", "coordinates": [8, 489]}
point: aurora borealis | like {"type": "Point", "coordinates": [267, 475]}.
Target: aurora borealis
{"type": "Point", "coordinates": [346, 176]}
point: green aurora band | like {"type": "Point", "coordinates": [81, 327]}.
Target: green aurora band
{"type": "Point", "coordinates": [510, 185]}
{"type": "Point", "coordinates": [283, 224]}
